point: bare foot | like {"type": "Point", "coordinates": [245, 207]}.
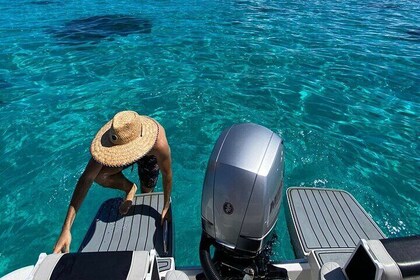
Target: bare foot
{"type": "Point", "coordinates": [126, 204]}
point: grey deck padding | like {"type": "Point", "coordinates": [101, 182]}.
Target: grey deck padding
{"type": "Point", "coordinates": [139, 230]}
{"type": "Point", "coordinates": [339, 256]}
{"type": "Point", "coordinates": [327, 219]}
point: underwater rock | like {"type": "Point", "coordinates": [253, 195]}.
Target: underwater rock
{"type": "Point", "coordinates": [414, 32]}
{"type": "Point", "coordinates": [96, 28]}
{"type": "Point", "coordinates": [385, 6]}
{"type": "Point", "coordinates": [42, 2]}
{"type": "Point", "coordinates": [4, 84]}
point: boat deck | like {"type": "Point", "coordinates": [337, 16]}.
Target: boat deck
{"type": "Point", "coordinates": [139, 230]}
{"type": "Point", "coordinates": [328, 222]}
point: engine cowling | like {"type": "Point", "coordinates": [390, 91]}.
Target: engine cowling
{"type": "Point", "coordinates": [243, 188]}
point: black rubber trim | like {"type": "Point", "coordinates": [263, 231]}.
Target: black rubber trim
{"type": "Point", "coordinates": [406, 253]}
{"type": "Point", "coordinates": [95, 265]}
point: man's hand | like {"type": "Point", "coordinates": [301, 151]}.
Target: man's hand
{"type": "Point", "coordinates": [63, 242]}
{"type": "Point", "coordinates": [165, 215]}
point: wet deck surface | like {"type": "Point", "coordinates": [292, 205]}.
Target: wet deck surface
{"type": "Point", "coordinates": [139, 230]}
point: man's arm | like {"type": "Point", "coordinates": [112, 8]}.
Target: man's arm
{"type": "Point", "coordinates": [83, 184]}
{"type": "Point", "coordinates": [165, 166]}
{"type": "Point", "coordinates": [166, 169]}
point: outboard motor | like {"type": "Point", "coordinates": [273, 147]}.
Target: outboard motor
{"type": "Point", "coordinates": [240, 203]}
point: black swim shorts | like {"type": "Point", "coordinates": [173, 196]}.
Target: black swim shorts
{"type": "Point", "coordinates": [148, 170]}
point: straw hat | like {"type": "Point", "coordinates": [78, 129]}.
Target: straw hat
{"type": "Point", "coordinates": [124, 139]}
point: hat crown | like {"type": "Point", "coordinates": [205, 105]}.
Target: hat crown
{"type": "Point", "coordinates": [126, 127]}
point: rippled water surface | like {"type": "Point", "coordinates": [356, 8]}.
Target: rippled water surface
{"type": "Point", "coordinates": [338, 80]}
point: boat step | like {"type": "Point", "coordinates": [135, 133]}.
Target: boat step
{"type": "Point", "coordinates": [328, 222]}
{"type": "Point", "coordinates": [139, 230]}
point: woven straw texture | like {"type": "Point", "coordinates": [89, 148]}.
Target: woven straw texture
{"type": "Point", "coordinates": [124, 139]}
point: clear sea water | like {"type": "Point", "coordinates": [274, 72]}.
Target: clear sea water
{"type": "Point", "coordinates": [338, 80]}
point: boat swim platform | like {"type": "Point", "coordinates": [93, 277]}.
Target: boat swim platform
{"type": "Point", "coordinates": [138, 230]}
{"type": "Point", "coordinates": [327, 223]}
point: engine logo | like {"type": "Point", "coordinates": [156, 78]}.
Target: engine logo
{"type": "Point", "coordinates": [228, 208]}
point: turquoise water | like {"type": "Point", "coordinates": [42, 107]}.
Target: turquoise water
{"type": "Point", "coordinates": [338, 80]}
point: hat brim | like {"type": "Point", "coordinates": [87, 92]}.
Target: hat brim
{"type": "Point", "coordinates": [109, 154]}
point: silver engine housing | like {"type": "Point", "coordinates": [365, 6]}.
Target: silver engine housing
{"type": "Point", "coordinates": [243, 187]}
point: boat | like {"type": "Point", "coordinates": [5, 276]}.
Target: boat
{"type": "Point", "coordinates": [333, 237]}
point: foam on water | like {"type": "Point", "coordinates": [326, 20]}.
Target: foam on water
{"type": "Point", "coordinates": [339, 81]}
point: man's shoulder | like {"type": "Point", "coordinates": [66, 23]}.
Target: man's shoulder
{"type": "Point", "coordinates": [161, 146]}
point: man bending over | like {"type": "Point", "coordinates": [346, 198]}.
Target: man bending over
{"type": "Point", "coordinates": [125, 140]}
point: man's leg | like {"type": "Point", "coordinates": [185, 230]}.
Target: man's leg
{"type": "Point", "coordinates": [120, 182]}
